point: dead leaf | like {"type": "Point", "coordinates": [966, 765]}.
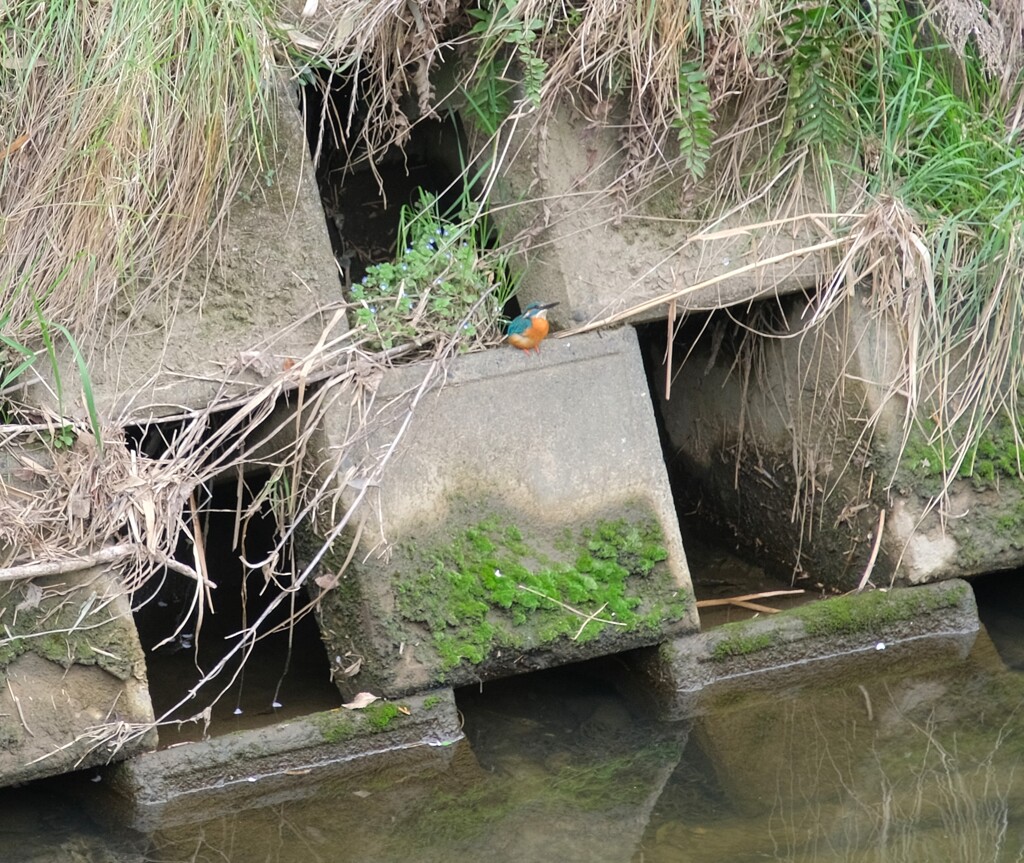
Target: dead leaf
{"type": "Point", "coordinates": [362, 699]}
{"type": "Point", "coordinates": [351, 670]}
{"type": "Point", "coordinates": [79, 506]}
{"type": "Point", "coordinates": [14, 146]}
{"type": "Point", "coordinates": [327, 581]}
{"type": "Point", "coordinates": [33, 466]}
{"type": "Point", "coordinates": [33, 596]}
{"type": "Point", "coordinates": [405, 711]}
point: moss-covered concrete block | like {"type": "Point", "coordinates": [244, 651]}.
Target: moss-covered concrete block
{"type": "Point", "coordinates": [73, 689]}
{"type": "Point", "coordinates": [873, 630]}
{"type": "Point", "coordinates": [808, 464]}
{"type": "Point", "coordinates": [525, 521]}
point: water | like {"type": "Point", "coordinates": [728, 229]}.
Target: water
{"type": "Point", "coordinates": [919, 763]}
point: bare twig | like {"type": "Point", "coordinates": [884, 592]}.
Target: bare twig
{"type": "Point", "coordinates": [107, 555]}
{"type": "Point", "coordinates": [745, 600]}
{"type": "Point", "coordinates": [591, 617]}
{"type": "Point", "coordinates": [17, 704]}
{"type": "Point", "coordinates": [587, 618]}
{"type": "Point", "coordinates": [874, 551]}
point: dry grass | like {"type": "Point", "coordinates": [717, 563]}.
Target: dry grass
{"type": "Point", "coordinates": [126, 129]}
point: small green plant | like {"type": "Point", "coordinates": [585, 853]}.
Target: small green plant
{"type": "Point", "coordinates": [16, 357]}
{"type": "Point", "coordinates": [63, 438]}
{"type": "Point", "coordinates": [441, 284]}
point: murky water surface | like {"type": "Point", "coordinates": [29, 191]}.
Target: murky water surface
{"type": "Point", "coordinates": [919, 761]}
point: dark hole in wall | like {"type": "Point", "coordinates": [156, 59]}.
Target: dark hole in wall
{"type": "Point", "coordinates": [289, 667]}
{"type": "Point", "coordinates": [363, 200]}
{"type": "Point", "coordinates": [1000, 598]}
{"type": "Point", "coordinates": [721, 564]}
{"type": "Point", "coordinates": [583, 709]}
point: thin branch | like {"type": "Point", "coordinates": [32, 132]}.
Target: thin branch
{"type": "Point", "coordinates": [586, 617]}
{"type": "Point", "coordinates": [874, 552]}
{"type": "Point", "coordinates": [107, 555]}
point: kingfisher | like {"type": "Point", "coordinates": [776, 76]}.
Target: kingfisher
{"type": "Point", "coordinates": [528, 330]}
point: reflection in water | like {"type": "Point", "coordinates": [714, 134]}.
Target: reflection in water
{"type": "Point", "coordinates": [914, 764]}
{"type": "Point", "coordinates": [917, 766]}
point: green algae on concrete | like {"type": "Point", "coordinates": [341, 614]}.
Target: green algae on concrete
{"type": "Point", "coordinates": [72, 676]}
{"type": "Point", "coordinates": [878, 627]}
{"type": "Point", "coordinates": [500, 596]}
{"type": "Point", "coordinates": [418, 602]}
{"type": "Point", "coordinates": [742, 643]}
{"type": "Point", "coordinates": [488, 589]}
{"type": "Point", "coordinates": [65, 624]}
{"type": "Point", "coordinates": [257, 767]}
{"type": "Point", "coordinates": [996, 456]}
{"type": "Point", "coordinates": [873, 613]}
{"type": "Point", "coordinates": [336, 726]}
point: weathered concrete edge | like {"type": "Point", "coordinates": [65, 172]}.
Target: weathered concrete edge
{"type": "Point", "coordinates": [785, 649]}
{"type": "Point", "coordinates": [503, 362]}
{"type": "Point", "coordinates": [313, 741]}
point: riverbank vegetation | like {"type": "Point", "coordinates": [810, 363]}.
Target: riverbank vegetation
{"type": "Point", "coordinates": [128, 129]}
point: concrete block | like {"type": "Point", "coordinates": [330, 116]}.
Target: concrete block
{"type": "Point", "coordinates": [223, 335]}
{"type": "Point", "coordinates": [73, 690]}
{"type": "Point", "coordinates": [528, 494]}
{"type": "Point", "coordinates": [783, 458]}
{"type": "Point", "coordinates": [257, 768]}
{"type": "Point", "coordinates": [755, 659]}
{"type": "Point", "coordinates": [597, 259]}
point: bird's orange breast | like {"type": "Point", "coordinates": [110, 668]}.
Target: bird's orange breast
{"type": "Point", "coordinates": [532, 335]}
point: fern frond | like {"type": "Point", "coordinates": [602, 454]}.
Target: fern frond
{"type": "Point", "coordinates": [693, 124]}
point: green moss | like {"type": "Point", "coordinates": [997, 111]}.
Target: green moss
{"type": "Point", "coordinates": [10, 649]}
{"type": "Point", "coordinates": [488, 589]}
{"type": "Point", "coordinates": [431, 701]}
{"type": "Point", "coordinates": [869, 612]}
{"type": "Point", "coordinates": [64, 627]}
{"type": "Point", "coordinates": [380, 715]}
{"type": "Point", "coordinates": [339, 725]}
{"type": "Point", "coordinates": [741, 642]}
{"type": "Point", "coordinates": [859, 613]}
{"type": "Point", "coordinates": [930, 455]}
{"type": "Point", "coordinates": [335, 725]}
{"type": "Point", "coordinates": [1012, 524]}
